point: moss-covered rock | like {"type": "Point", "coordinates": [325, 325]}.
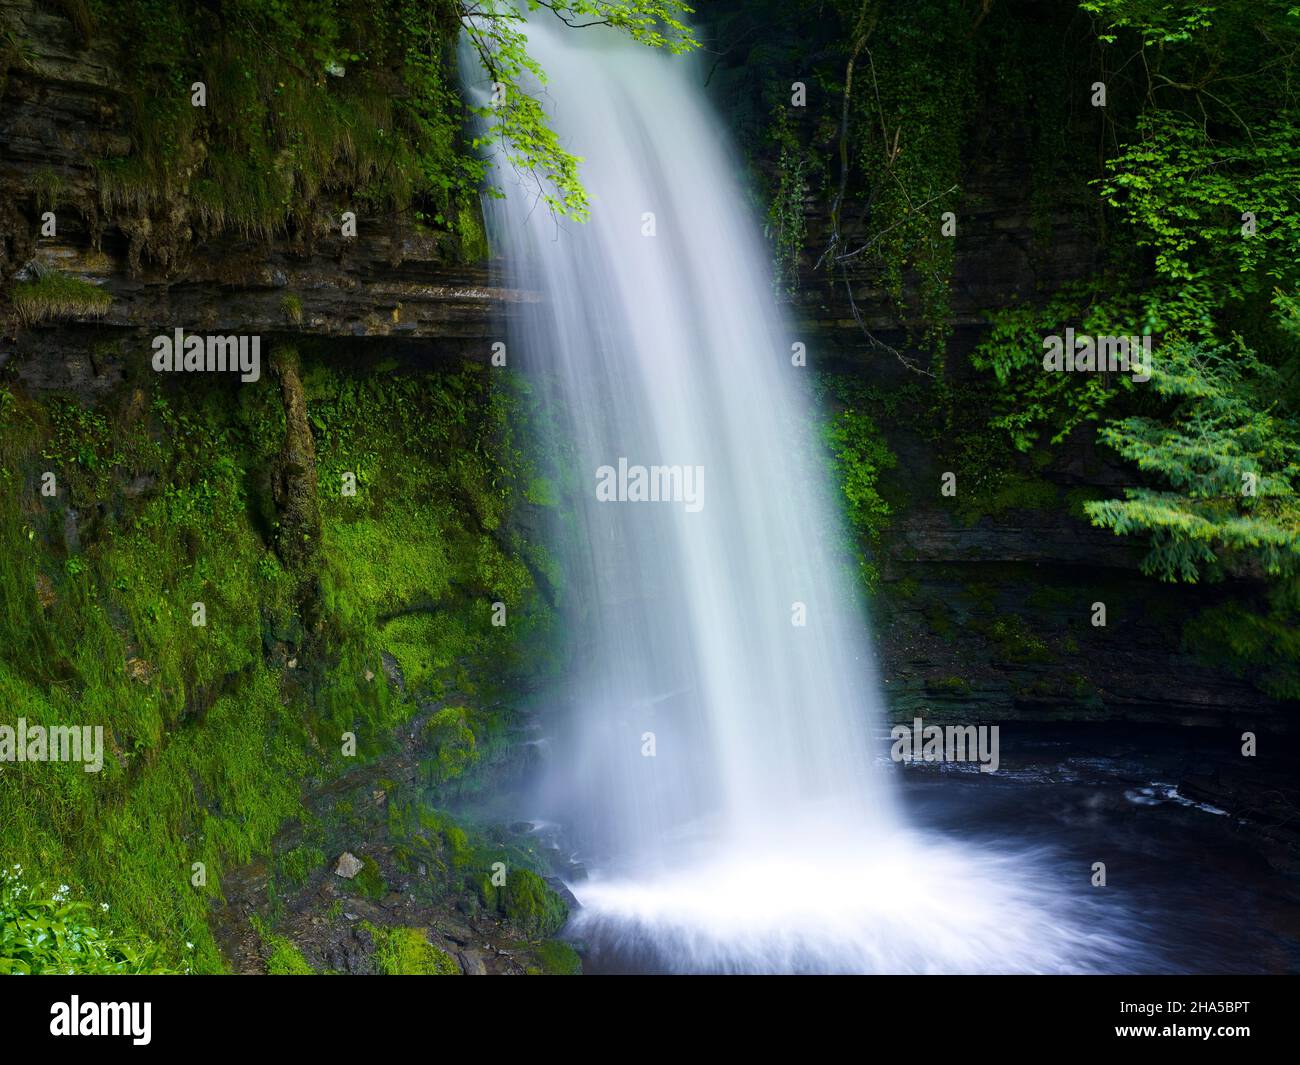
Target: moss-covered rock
{"type": "Point", "coordinates": [451, 742]}
{"type": "Point", "coordinates": [535, 909]}
{"type": "Point", "coordinates": [408, 952]}
{"type": "Point", "coordinates": [370, 881]}
{"type": "Point", "coordinates": [556, 958]}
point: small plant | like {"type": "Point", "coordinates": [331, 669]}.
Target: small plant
{"type": "Point", "coordinates": [55, 295]}
{"type": "Point", "coordinates": [42, 934]}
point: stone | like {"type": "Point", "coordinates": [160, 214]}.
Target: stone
{"type": "Point", "coordinates": [471, 963]}
{"type": "Point", "coordinates": [349, 865]}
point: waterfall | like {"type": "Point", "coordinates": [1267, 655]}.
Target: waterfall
{"type": "Point", "coordinates": [715, 764]}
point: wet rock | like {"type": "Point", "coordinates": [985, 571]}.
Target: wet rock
{"type": "Point", "coordinates": [471, 963]}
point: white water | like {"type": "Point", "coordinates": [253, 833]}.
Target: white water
{"type": "Point", "coordinates": [760, 836]}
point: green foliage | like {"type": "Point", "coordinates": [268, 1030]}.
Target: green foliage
{"type": "Point", "coordinates": [907, 110]}
{"type": "Point", "coordinates": [1031, 400]}
{"type": "Point", "coordinates": [53, 934]}
{"type": "Point", "coordinates": [516, 122]}
{"type": "Point", "coordinates": [308, 105]}
{"type": "Point", "coordinates": [799, 172]}
{"type": "Point", "coordinates": [1197, 184]}
{"type": "Point", "coordinates": [1182, 193]}
{"type": "Point", "coordinates": [1230, 456]}
{"type": "Point", "coordinates": [858, 455]}
{"type": "Point", "coordinates": [1260, 641]}
{"type": "Point", "coordinates": [879, 143]}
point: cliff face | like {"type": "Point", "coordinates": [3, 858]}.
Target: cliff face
{"type": "Point", "coordinates": [987, 607]}
{"type": "Point", "coordinates": [63, 110]}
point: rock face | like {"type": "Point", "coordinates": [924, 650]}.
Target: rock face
{"type": "Point", "coordinates": [294, 478]}
{"type": "Point", "coordinates": [62, 111]}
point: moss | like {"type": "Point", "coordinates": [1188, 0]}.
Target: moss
{"type": "Point", "coordinates": [489, 895]}
{"type": "Point", "coordinates": [949, 686]}
{"type": "Point", "coordinates": [284, 958]}
{"type": "Point", "coordinates": [1009, 490]}
{"type": "Point", "coordinates": [939, 619]}
{"type": "Point", "coordinates": [531, 905]}
{"type": "Point", "coordinates": [1014, 642]}
{"type": "Point", "coordinates": [557, 958]}
{"type": "Point", "coordinates": [291, 305]}
{"type": "Point", "coordinates": [308, 112]}
{"type": "Point", "coordinates": [208, 737]}
{"type": "Point", "coordinates": [408, 952]}
{"type": "Point", "coordinates": [298, 864]}
{"type": "Point", "coordinates": [450, 739]}
{"type": "Point", "coordinates": [370, 881]}
{"type": "Point", "coordinates": [58, 296]}
{"type": "Point", "coordinates": [907, 589]}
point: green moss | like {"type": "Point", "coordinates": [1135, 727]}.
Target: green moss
{"type": "Point", "coordinates": [306, 109]}
{"type": "Point", "coordinates": [531, 905]}
{"type": "Point", "coordinates": [291, 305]}
{"type": "Point", "coordinates": [450, 739]}
{"type": "Point", "coordinates": [489, 895]}
{"type": "Point", "coordinates": [939, 619]}
{"type": "Point", "coordinates": [907, 589]}
{"type": "Point", "coordinates": [284, 958]}
{"type": "Point", "coordinates": [298, 864]}
{"type": "Point", "coordinates": [370, 881]}
{"type": "Point", "coordinates": [1007, 491]}
{"type": "Point", "coordinates": [1015, 642]}
{"type": "Point", "coordinates": [1256, 640]}
{"type": "Point", "coordinates": [207, 736]}
{"type": "Point", "coordinates": [408, 952]}
{"type": "Point", "coordinates": [949, 686]}
{"type": "Point", "coordinates": [557, 958]}
{"type": "Point", "coordinates": [58, 296]}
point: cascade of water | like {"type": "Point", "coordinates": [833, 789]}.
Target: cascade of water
{"type": "Point", "coordinates": [717, 766]}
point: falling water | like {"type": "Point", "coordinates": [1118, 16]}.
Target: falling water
{"type": "Point", "coordinates": [716, 770]}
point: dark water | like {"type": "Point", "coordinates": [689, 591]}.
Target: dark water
{"type": "Point", "coordinates": [1191, 887]}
